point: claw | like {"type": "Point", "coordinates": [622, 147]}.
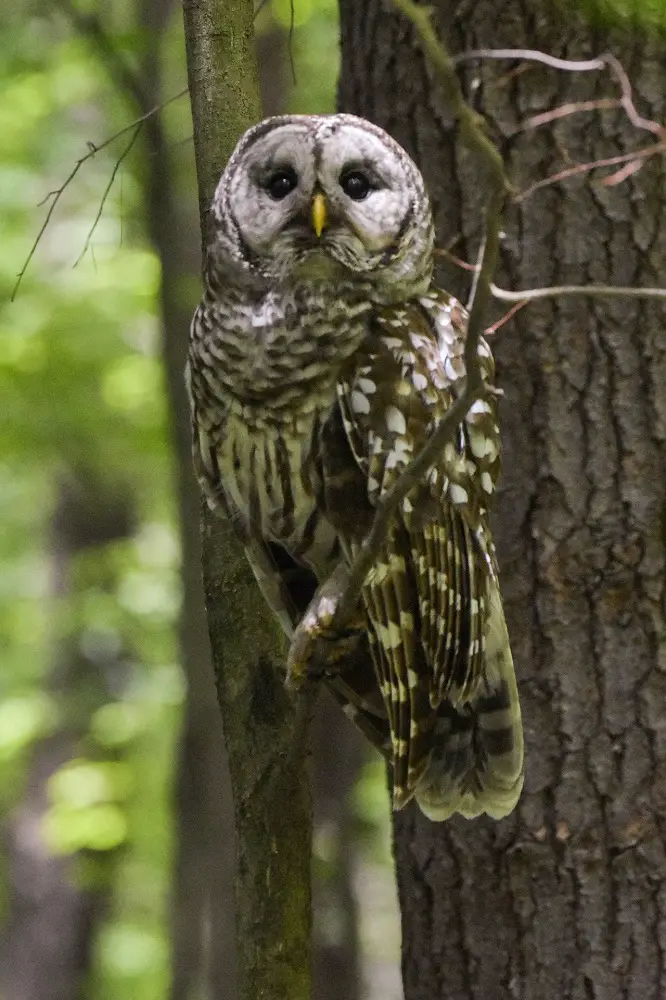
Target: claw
{"type": "Point", "coordinates": [318, 649]}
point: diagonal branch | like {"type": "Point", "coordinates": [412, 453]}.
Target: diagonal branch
{"type": "Point", "coordinates": [638, 156]}
{"type": "Point", "coordinates": [605, 61]}
{"type": "Point", "coordinates": [116, 168]}
{"type": "Point", "coordinates": [93, 149]}
{"type": "Point", "coordinates": [471, 130]}
{"type": "Point", "coordinates": [594, 291]}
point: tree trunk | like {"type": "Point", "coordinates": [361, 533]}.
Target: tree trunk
{"type": "Point", "coordinates": [266, 734]}
{"type": "Point", "coordinates": [202, 906]}
{"type": "Point", "coordinates": [46, 944]}
{"type": "Point", "coordinates": [566, 898]}
{"type": "Point", "coordinates": [337, 754]}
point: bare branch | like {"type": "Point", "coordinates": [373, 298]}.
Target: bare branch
{"type": "Point", "coordinates": [564, 110]}
{"type": "Point", "coordinates": [526, 295]}
{"type": "Point", "coordinates": [458, 261]}
{"type": "Point", "coordinates": [605, 61]}
{"type": "Point", "coordinates": [585, 168]}
{"type": "Point", "coordinates": [530, 55]}
{"type": "Point", "coordinates": [290, 42]}
{"type": "Point", "coordinates": [92, 151]}
{"type": "Point", "coordinates": [471, 129]}
{"type": "Point", "coordinates": [490, 330]}
{"type": "Point", "coordinates": [108, 187]}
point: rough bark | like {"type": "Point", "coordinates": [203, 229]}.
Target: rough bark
{"type": "Point", "coordinates": [202, 907]}
{"type": "Point", "coordinates": [566, 898]}
{"type": "Point", "coordinates": [46, 944]}
{"type": "Point", "coordinates": [202, 893]}
{"type": "Point", "coordinates": [266, 733]}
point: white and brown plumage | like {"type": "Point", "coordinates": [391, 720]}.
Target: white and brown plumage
{"type": "Point", "coordinates": [321, 358]}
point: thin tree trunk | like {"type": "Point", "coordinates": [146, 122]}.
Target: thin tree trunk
{"type": "Point", "coordinates": [46, 943]}
{"type": "Point", "coordinates": [266, 734]}
{"type": "Point", "coordinates": [202, 908]}
{"type": "Point", "coordinates": [337, 757]}
{"type": "Point", "coordinates": [202, 896]}
{"type": "Point", "coordinates": [566, 898]}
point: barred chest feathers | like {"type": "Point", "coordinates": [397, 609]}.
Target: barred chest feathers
{"type": "Point", "coordinates": [263, 375]}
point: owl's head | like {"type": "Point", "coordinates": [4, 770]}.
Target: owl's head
{"type": "Point", "coordinates": [325, 197]}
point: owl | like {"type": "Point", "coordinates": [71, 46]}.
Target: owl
{"type": "Point", "coordinates": [321, 359]}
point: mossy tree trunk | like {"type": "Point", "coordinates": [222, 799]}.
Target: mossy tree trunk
{"type": "Point", "coordinates": [565, 899]}
{"type": "Point", "coordinates": [266, 734]}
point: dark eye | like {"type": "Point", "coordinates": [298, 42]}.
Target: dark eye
{"type": "Point", "coordinates": [281, 183]}
{"type": "Point", "coordinates": [355, 184]}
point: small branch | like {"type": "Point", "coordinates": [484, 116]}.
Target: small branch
{"type": "Point", "coordinates": [530, 55]}
{"type": "Point", "coordinates": [92, 151]}
{"type": "Point", "coordinates": [490, 330]}
{"type": "Point", "coordinates": [458, 261]}
{"type": "Point", "coordinates": [471, 130]}
{"type": "Point", "coordinates": [526, 295]}
{"type": "Point", "coordinates": [472, 134]}
{"type": "Point", "coordinates": [536, 121]}
{"type": "Point", "coordinates": [585, 168]}
{"type": "Point", "coordinates": [606, 61]}
{"type": "Point", "coordinates": [387, 506]}
{"type": "Point", "coordinates": [108, 187]}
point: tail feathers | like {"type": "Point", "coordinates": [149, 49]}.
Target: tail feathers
{"type": "Point", "coordinates": [477, 760]}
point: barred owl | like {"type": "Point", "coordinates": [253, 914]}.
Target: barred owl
{"type": "Point", "coordinates": [321, 358]}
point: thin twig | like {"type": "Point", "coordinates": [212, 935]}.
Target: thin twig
{"type": "Point", "coordinates": [290, 41]}
{"type": "Point", "coordinates": [530, 55]}
{"type": "Point", "coordinates": [490, 330]}
{"type": "Point", "coordinates": [387, 506]}
{"type": "Point", "coordinates": [92, 151]}
{"type": "Point", "coordinates": [458, 261]}
{"type": "Point", "coordinates": [564, 110]}
{"type": "Point", "coordinates": [585, 168]}
{"type": "Point", "coordinates": [605, 61]}
{"type": "Point", "coordinates": [107, 189]}
{"type": "Point", "coordinates": [599, 291]}
{"type": "Point", "coordinates": [475, 388]}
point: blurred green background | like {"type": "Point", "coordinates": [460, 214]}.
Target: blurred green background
{"type": "Point", "coordinates": [91, 687]}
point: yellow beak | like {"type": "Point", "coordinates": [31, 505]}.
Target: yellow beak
{"type": "Point", "coordinates": [319, 213]}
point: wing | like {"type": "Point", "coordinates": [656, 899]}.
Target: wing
{"type": "Point", "coordinates": [432, 597]}
{"type": "Point", "coordinates": [286, 585]}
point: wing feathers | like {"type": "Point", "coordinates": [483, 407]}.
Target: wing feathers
{"type": "Point", "coordinates": [440, 647]}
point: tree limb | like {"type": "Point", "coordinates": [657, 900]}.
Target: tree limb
{"type": "Point", "coordinates": [57, 193]}
{"type": "Point", "coordinates": [266, 732]}
{"type": "Point", "coordinates": [471, 130]}
{"type": "Point", "coordinates": [594, 291]}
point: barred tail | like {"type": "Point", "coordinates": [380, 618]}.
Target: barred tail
{"type": "Point", "coordinates": [477, 761]}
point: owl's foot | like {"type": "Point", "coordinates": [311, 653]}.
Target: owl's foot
{"type": "Point", "coordinates": [318, 648]}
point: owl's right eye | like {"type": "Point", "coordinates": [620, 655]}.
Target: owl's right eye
{"type": "Point", "coordinates": [281, 183]}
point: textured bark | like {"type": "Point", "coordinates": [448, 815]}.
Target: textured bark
{"type": "Point", "coordinates": [566, 898]}
{"type": "Point", "coordinates": [202, 895]}
{"type": "Point", "coordinates": [202, 906]}
{"type": "Point", "coordinates": [266, 734]}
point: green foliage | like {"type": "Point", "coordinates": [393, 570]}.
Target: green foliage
{"type": "Point", "coordinates": [83, 389]}
{"type": "Point", "coordinates": [313, 38]}
{"type": "Point", "coordinates": [83, 393]}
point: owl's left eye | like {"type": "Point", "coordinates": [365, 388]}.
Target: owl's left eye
{"type": "Point", "coordinates": [281, 183]}
{"type": "Point", "coordinates": [355, 184]}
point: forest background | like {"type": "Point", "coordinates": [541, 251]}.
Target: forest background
{"type": "Point", "coordinates": [115, 879]}
{"type": "Point", "coordinates": [113, 789]}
